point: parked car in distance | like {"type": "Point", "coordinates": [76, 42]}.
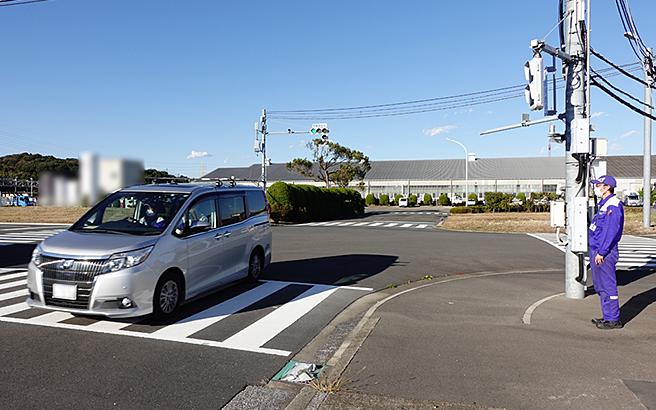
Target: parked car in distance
{"type": "Point", "coordinates": [149, 248]}
{"type": "Point", "coordinates": [632, 199]}
{"type": "Point", "coordinates": [457, 200]}
{"type": "Point", "coordinates": [403, 202]}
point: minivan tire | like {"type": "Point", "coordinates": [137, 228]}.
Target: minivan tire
{"type": "Point", "coordinates": [167, 296]}
{"type": "Point", "coordinates": [255, 266]}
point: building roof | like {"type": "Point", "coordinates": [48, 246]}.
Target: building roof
{"type": "Point", "coordinates": [625, 166]}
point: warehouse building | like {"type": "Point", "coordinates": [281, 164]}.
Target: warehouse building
{"type": "Point", "coordinates": [508, 175]}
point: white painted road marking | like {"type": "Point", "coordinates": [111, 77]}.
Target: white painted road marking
{"type": "Point", "coordinates": [14, 275]}
{"type": "Point", "coordinates": [14, 294]}
{"type": "Point", "coordinates": [32, 236]}
{"type": "Point", "coordinates": [195, 323]}
{"type": "Point", "coordinates": [265, 329]}
{"type": "Point", "coordinates": [250, 339]}
{"type": "Point", "coordinates": [13, 284]}
{"type": "Point", "coordinates": [635, 251]}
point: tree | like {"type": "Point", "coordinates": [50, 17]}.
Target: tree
{"type": "Point", "coordinates": [332, 163]}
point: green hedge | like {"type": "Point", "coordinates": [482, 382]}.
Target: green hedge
{"type": "Point", "coordinates": [305, 203]}
{"type": "Point", "coordinates": [396, 198]}
{"type": "Point", "coordinates": [467, 209]}
{"type": "Point", "coordinates": [370, 200]}
{"type": "Point", "coordinates": [412, 200]}
{"type": "Point", "coordinates": [384, 199]}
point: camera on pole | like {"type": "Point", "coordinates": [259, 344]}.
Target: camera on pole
{"type": "Point", "coordinates": [320, 130]}
{"type": "Point", "coordinates": [535, 90]}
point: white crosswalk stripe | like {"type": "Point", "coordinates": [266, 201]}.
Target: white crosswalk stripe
{"type": "Point", "coordinates": [252, 337]}
{"type": "Point", "coordinates": [26, 236]}
{"type": "Point", "coordinates": [371, 224]}
{"type": "Point", "coordinates": [636, 252]}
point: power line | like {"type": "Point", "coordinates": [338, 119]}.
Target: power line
{"type": "Point", "coordinates": [6, 3]}
{"type": "Point", "coordinates": [514, 87]}
{"type": "Point", "coordinates": [620, 100]}
{"type": "Point", "coordinates": [408, 108]}
{"type": "Point", "coordinates": [619, 68]}
{"type": "Point", "coordinates": [598, 76]}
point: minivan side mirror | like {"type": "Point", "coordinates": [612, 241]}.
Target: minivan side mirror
{"type": "Point", "coordinates": [199, 226]}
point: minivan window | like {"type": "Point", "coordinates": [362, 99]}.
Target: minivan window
{"type": "Point", "coordinates": [256, 202]}
{"type": "Point", "coordinates": [135, 213]}
{"type": "Point", "coordinates": [231, 209]}
{"type": "Point", "coordinates": [202, 213]}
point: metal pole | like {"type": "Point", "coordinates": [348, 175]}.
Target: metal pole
{"type": "Point", "coordinates": [263, 130]}
{"type": "Point", "coordinates": [575, 104]}
{"type": "Point", "coordinates": [646, 162]}
{"type": "Point", "coordinates": [466, 167]}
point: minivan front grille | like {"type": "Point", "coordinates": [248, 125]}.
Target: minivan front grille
{"type": "Point", "coordinates": [70, 272]}
{"type": "Point", "coordinates": [70, 269]}
{"type": "Point", "coordinates": [82, 298]}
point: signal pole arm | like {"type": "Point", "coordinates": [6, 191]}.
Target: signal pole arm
{"type": "Point", "coordinates": [539, 45]}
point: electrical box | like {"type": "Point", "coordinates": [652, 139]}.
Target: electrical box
{"type": "Point", "coordinates": [557, 213]}
{"type": "Point", "coordinates": [579, 225]}
{"type": "Point", "coordinates": [599, 147]}
{"type": "Point", "coordinates": [580, 136]}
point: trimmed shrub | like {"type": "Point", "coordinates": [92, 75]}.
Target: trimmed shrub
{"type": "Point", "coordinates": [412, 200]}
{"type": "Point", "coordinates": [468, 210]}
{"type": "Point", "coordinates": [472, 197]}
{"type": "Point", "coordinates": [428, 199]}
{"type": "Point", "coordinates": [304, 203]}
{"type": "Point", "coordinates": [444, 200]}
{"type": "Point", "coordinates": [521, 196]}
{"type": "Point", "coordinates": [384, 199]}
{"type": "Point", "coordinates": [396, 198]}
{"type": "Point", "coordinates": [370, 200]}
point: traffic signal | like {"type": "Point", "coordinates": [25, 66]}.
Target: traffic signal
{"type": "Point", "coordinates": [535, 90]}
{"type": "Point", "coordinates": [320, 129]}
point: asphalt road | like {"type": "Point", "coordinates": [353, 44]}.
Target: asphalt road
{"type": "Point", "coordinates": [61, 367]}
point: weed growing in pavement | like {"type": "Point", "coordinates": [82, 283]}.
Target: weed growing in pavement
{"type": "Point", "coordinates": [329, 386]}
{"type": "Point", "coordinates": [408, 282]}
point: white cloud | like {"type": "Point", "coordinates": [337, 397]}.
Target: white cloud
{"type": "Point", "coordinates": [628, 134]}
{"type": "Point", "coordinates": [597, 114]}
{"type": "Point", "coordinates": [438, 130]}
{"type": "Point", "coordinates": [198, 154]}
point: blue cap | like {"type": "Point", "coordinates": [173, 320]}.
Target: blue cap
{"type": "Point", "coordinates": [606, 180]}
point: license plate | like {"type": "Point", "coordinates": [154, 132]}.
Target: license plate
{"type": "Point", "coordinates": [61, 291]}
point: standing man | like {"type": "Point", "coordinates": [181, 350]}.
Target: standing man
{"type": "Point", "coordinates": [604, 236]}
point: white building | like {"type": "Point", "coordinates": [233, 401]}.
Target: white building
{"type": "Point", "coordinates": [509, 175]}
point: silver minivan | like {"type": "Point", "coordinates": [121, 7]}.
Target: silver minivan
{"type": "Point", "coordinates": [147, 249]}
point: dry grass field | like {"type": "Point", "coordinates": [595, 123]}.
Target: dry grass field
{"type": "Point", "coordinates": [39, 214]}
{"type": "Point", "coordinates": [527, 222]}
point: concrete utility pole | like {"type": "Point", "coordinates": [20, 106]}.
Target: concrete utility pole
{"type": "Point", "coordinates": [263, 131]}
{"type": "Point", "coordinates": [646, 165]}
{"type": "Point", "coordinates": [577, 125]}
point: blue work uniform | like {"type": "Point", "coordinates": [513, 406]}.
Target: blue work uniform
{"type": "Point", "coordinates": [604, 236]}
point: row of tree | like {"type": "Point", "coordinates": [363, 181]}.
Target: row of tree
{"type": "Point", "coordinates": [25, 166]}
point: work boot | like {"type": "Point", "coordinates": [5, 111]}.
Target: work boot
{"type": "Point", "coordinates": [609, 324]}
{"type": "Point", "coordinates": [595, 321]}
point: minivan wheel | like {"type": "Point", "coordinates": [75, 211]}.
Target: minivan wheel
{"type": "Point", "coordinates": [167, 297]}
{"type": "Point", "coordinates": [255, 266]}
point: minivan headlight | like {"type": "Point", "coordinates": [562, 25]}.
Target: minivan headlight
{"type": "Point", "coordinates": [126, 260]}
{"type": "Point", "coordinates": [36, 255]}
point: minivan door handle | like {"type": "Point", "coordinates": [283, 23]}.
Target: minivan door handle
{"type": "Point", "coordinates": [222, 235]}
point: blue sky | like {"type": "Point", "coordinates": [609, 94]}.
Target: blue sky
{"type": "Point", "coordinates": [157, 79]}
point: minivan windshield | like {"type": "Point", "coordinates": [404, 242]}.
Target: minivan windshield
{"type": "Point", "coordinates": [134, 213]}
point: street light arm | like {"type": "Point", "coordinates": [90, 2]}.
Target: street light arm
{"type": "Point", "coordinates": [459, 143]}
